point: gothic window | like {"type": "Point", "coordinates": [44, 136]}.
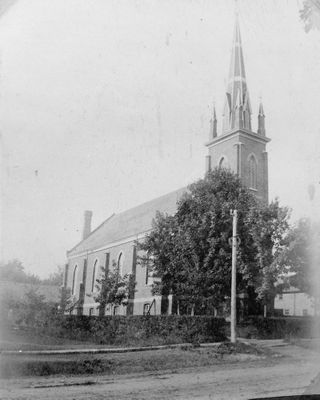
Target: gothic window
{"type": "Point", "coordinates": [252, 172]}
{"type": "Point", "coordinates": [146, 308]}
{"type": "Point", "coordinates": [149, 270]}
{"type": "Point", "coordinates": [222, 163]}
{"type": "Point", "coordinates": [74, 279]}
{"type": "Point", "coordinates": [94, 275]}
{"type": "Point", "coordinates": [120, 263]}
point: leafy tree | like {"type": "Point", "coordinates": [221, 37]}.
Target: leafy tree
{"type": "Point", "coordinates": [300, 258]}
{"type": "Point", "coordinates": [268, 227]}
{"type": "Point", "coordinates": [310, 14]}
{"type": "Point", "coordinates": [113, 288]}
{"type": "Point", "coordinates": [13, 271]}
{"type": "Point", "coordinates": [190, 250]}
{"type": "Point", "coordinates": [55, 278]}
{"type": "Point", "coordinates": [33, 310]}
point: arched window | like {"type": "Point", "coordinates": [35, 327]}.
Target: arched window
{"type": "Point", "coordinates": [146, 308]}
{"type": "Point", "coordinates": [222, 162]}
{"type": "Point", "coordinates": [74, 279]}
{"type": "Point", "coordinates": [252, 172]}
{"type": "Point", "coordinates": [94, 275]}
{"type": "Point", "coordinates": [120, 263]}
{"type": "Point", "coordinates": [116, 310]}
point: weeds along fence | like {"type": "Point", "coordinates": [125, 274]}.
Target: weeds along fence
{"type": "Point", "coordinates": [135, 330]}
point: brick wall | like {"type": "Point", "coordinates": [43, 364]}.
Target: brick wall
{"type": "Point", "coordinates": [142, 295]}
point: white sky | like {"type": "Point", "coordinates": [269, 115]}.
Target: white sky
{"type": "Point", "coordinates": [106, 104]}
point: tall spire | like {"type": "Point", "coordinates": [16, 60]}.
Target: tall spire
{"type": "Point", "coordinates": [237, 111]}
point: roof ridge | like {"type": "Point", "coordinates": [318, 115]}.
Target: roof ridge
{"type": "Point", "coordinates": [98, 227]}
{"type": "Point", "coordinates": [151, 200]}
{"type": "Point", "coordinates": [149, 205]}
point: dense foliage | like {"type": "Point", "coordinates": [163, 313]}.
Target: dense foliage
{"type": "Point", "coordinates": [310, 14]}
{"type": "Point", "coordinates": [280, 327]}
{"type": "Point", "coordinates": [55, 278]}
{"type": "Point", "coordinates": [32, 310]}
{"type": "Point", "coordinates": [300, 257]}
{"type": "Point", "coordinates": [191, 253]}
{"type": "Point", "coordinates": [13, 271]}
{"type": "Point", "coordinates": [133, 330]}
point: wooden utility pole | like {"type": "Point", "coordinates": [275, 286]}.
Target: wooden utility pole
{"type": "Point", "coordinates": [234, 214]}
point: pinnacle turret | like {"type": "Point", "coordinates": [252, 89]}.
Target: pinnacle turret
{"type": "Point", "coordinates": [261, 123]}
{"type": "Point", "coordinates": [213, 125]}
{"type": "Point", "coordinates": [261, 112]}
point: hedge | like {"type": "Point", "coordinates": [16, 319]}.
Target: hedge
{"type": "Point", "coordinates": [280, 327]}
{"type": "Point", "coordinates": [136, 330]}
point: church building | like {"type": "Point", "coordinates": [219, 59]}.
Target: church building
{"type": "Point", "coordinates": [113, 242]}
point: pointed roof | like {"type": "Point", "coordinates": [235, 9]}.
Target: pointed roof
{"type": "Point", "coordinates": [237, 92]}
{"type": "Point", "coordinates": [261, 112]}
{"type": "Point", "coordinates": [237, 75]}
{"type": "Point", "coordinates": [261, 126]}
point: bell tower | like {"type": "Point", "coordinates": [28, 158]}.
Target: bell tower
{"type": "Point", "coordinates": [238, 147]}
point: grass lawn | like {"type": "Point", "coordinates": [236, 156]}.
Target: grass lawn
{"type": "Point", "coordinates": [15, 365]}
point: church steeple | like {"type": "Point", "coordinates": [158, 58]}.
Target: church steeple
{"type": "Point", "coordinates": [237, 110]}
{"type": "Point", "coordinates": [238, 148]}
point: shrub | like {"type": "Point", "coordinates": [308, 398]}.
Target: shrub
{"type": "Point", "coordinates": [135, 330]}
{"type": "Point", "coordinates": [283, 327]}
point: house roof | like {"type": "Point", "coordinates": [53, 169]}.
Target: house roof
{"type": "Point", "coordinates": [128, 223]}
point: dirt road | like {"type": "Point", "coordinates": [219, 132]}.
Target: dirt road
{"type": "Point", "coordinates": [290, 374]}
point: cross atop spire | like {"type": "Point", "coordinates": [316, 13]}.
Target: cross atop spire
{"type": "Point", "coordinates": [236, 8]}
{"type": "Point", "coordinates": [237, 112]}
